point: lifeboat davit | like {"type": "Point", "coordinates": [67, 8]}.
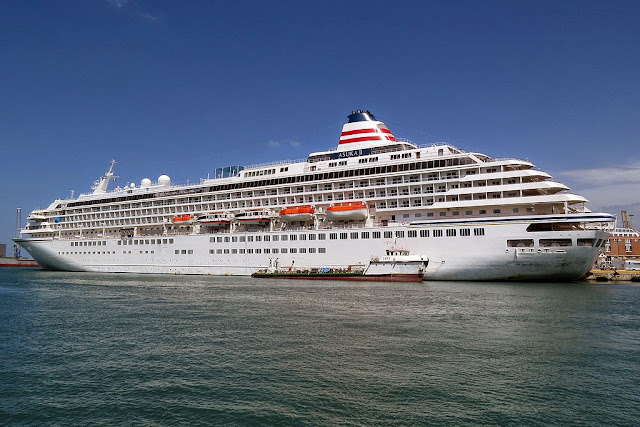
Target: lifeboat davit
{"type": "Point", "coordinates": [186, 219]}
{"type": "Point", "coordinates": [297, 213]}
{"type": "Point", "coordinates": [347, 212]}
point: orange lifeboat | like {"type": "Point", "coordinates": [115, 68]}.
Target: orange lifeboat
{"type": "Point", "coordinates": [347, 211]}
{"type": "Point", "coordinates": [297, 213]}
{"type": "Point", "coordinates": [186, 219]}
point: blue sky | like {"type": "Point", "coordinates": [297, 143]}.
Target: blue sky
{"type": "Point", "coordinates": [183, 87]}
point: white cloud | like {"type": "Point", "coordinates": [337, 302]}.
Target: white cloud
{"type": "Point", "coordinates": [295, 144]}
{"type": "Point", "coordinates": [119, 4]}
{"type": "Point", "coordinates": [611, 195]}
{"type": "Point", "coordinates": [148, 16]}
{"type": "Point", "coordinates": [605, 187]}
{"type": "Point", "coordinates": [604, 176]}
{"type": "Point", "coordinates": [133, 7]}
{"type": "Point", "coordinates": [273, 144]}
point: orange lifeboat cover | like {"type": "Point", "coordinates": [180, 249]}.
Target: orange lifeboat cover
{"type": "Point", "coordinates": [347, 207]}
{"type": "Point", "coordinates": [297, 210]}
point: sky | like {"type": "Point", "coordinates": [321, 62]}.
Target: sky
{"type": "Point", "coordinates": [180, 88]}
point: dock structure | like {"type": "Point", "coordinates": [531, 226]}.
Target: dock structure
{"type": "Point", "coordinates": [613, 276]}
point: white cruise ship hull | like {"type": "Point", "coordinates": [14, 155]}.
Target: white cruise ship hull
{"type": "Point", "coordinates": [480, 256]}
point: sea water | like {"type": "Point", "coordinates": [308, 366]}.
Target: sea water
{"type": "Point", "coordinates": [91, 349]}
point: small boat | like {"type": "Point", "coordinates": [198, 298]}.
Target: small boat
{"type": "Point", "coordinates": [347, 211]}
{"type": "Point", "coordinates": [216, 219]}
{"type": "Point", "coordinates": [186, 219]}
{"type": "Point", "coordinates": [261, 216]}
{"type": "Point", "coordinates": [396, 266]}
{"type": "Point", "coordinates": [398, 263]}
{"type": "Point", "coordinates": [297, 213]}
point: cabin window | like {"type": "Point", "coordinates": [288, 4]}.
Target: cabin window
{"type": "Point", "coordinates": [388, 234]}
{"type": "Point", "coordinates": [586, 242]}
{"type": "Point", "coordinates": [478, 231]}
{"type": "Point", "coordinates": [520, 243]}
{"type": "Point", "coordinates": [547, 243]}
{"type": "Point", "coordinates": [412, 233]}
{"type": "Point", "coordinates": [354, 235]}
{"type": "Point", "coordinates": [451, 232]}
{"type": "Point", "coordinates": [437, 233]}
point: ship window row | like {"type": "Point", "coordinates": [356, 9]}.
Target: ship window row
{"type": "Point", "coordinates": [88, 253]}
{"type": "Point", "coordinates": [550, 243]}
{"type": "Point", "coordinates": [145, 242]}
{"type": "Point", "coordinates": [431, 164]}
{"type": "Point", "coordinates": [183, 251]}
{"type": "Point", "coordinates": [402, 156]}
{"type": "Point", "coordinates": [260, 172]}
{"type": "Point", "coordinates": [90, 243]}
{"type": "Point", "coordinates": [451, 232]}
{"type": "Point", "coordinates": [368, 160]}
{"type": "Point", "coordinates": [235, 251]}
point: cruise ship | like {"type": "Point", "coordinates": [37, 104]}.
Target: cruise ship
{"type": "Point", "coordinates": [467, 215]}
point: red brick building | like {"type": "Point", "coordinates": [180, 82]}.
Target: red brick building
{"type": "Point", "coordinates": [623, 244]}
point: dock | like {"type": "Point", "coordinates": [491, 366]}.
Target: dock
{"type": "Point", "coordinates": [613, 276]}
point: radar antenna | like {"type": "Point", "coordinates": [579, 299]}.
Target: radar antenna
{"type": "Point", "coordinates": [100, 186]}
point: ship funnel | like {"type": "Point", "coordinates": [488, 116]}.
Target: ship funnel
{"type": "Point", "coordinates": [361, 116]}
{"type": "Point", "coordinates": [363, 131]}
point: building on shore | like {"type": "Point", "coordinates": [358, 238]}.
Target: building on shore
{"type": "Point", "coordinates": [623, 245]}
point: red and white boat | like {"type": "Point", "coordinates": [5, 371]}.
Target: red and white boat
{"type": "Point", "coordinates": [216, 219]}
{"type": "Point", "coordinates": [297, 213]}
{"type": "Point", "coordinates": [347, 211]}
{"type": "Point", "coordinates": [260, 216]}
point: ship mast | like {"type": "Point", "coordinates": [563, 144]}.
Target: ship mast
{"type": "Point", "coordinates": [100, 187]}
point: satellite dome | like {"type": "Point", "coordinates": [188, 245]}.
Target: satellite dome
{"type": "Point", "coordinates": [132, 185]}
{"type": "Point", "coordinates": [164, 180]}
{"type": "Point", "coordinates": [145, 183]}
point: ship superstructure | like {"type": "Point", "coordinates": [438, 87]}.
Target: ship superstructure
{"type": "Point", "coordinates": [474, 217]}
